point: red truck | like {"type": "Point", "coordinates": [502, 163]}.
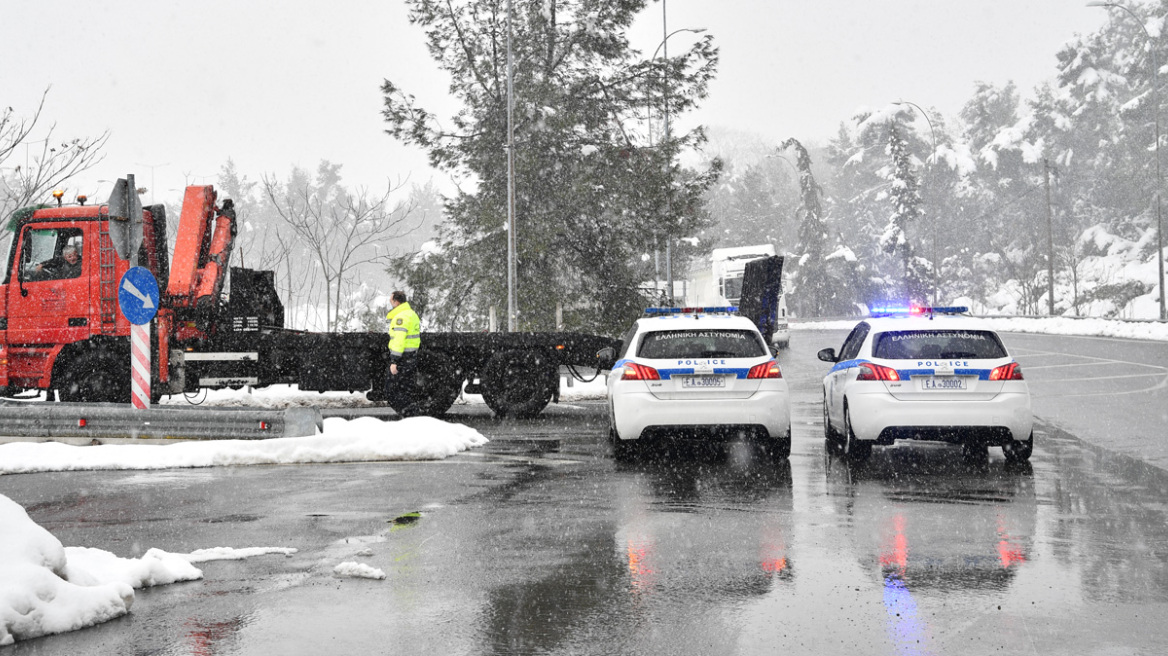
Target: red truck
{"type": "Point", "coordinates": [61, 329]}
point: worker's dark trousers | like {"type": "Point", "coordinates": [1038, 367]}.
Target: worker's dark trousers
{"type": "Point", "coordinates": [400, 389]}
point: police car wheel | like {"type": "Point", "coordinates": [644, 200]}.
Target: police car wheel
{"type": "Point", "coordinates": [828, 432]}
{"type": "Point", "coordinates": [856, 450]}
{"type": "Point", "coordinates": [622, 450]}
{"type": "Point", "coordinates": [1019, 451]}
{"type": "Point", "coordinates": [778, 448]}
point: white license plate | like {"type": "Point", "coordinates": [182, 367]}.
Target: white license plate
{"type": "Point", "coordinates": [942, 383]}
{"type": "Point", "coordinates": [694, 382]}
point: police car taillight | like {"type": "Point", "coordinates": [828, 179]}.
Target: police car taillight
{"type": "Point", "coordinates": [870, 371]}
{"type": "Point", "coordinates": [765, 370]}
{"type": "Point", "coordinates": [1012, 371]}
{"type": "Point", "coordinates": [634, 371]}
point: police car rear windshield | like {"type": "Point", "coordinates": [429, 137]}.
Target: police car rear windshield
{"type": "Point", "coordinates": [937, 344]}
{"type": "Point", "coordinates": [668, 344]}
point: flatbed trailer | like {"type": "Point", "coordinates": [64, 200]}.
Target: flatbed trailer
{"type": "Point", "coordinates": [518, 374]}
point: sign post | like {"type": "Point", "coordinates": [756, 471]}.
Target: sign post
{"type": "Point", "coordinates": [138, 299]}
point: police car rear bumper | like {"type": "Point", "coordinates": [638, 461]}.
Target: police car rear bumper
{"type": "Point", "coordinates": [634, 412]}
{"type": "Point", "coordinates": [880, 417]}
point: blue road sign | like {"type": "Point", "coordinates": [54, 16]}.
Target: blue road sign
{"type": "Point", "coordinates": [138, 295]}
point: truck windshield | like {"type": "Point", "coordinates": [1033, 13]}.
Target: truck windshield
{"type": "Point", "coordinates": [7, 238]}
{"type": "Point", "coordinates": [924, 344]}
{"type": "Point", "coordinates": [667, 344]}
{"type": "Point", "coordinates": [732, 289]}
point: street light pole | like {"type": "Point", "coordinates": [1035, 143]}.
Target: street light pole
{"type": "Point", "coordinates": [1156, 116]}
{"type": "Point", "coordinates": [649, 122]}
{"type": "Point", "coordinates": [669, 168]}
{"type": "Point", "coordinates": [152, 167]}
{"type": "Point", "coordinates": [512, 300]}
{"type": "Point", "coordinates": [932, 165]}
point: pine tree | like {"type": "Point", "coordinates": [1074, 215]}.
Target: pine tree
{"type": "Point", "coordinates": [591, 190]}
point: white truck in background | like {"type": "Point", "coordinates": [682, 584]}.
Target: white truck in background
{"type": "Point", "coordinates": [720, 283]}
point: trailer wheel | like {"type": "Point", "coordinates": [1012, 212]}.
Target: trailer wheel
{"type": "Point", "coordinates": [437, 384]}
{"type": "Point", "coordinates": [518, 383]}
{"type": "Point", "coordinates": [95, 377]}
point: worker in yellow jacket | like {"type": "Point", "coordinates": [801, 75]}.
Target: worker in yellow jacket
{"type": "Point", "coordinates": [405, 336]}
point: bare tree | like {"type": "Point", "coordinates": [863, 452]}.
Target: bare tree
{"type": "Point", "coordinates": [44, 167]}
{"type": "Point", "coordinates": [339, 231]}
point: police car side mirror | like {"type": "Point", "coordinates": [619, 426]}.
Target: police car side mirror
{"type": "Point", "coordinates": [828, 355]}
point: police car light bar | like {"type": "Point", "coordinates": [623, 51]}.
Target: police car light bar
{"type": "Point", "coordinates": [728, 309]}
{"type": "Point", "coordinates": [916, 310]}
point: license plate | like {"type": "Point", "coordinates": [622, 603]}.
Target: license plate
{"type": "Point", "coordinates": [943, 383]}
{"type": "Point", "coordinates": [692, 382]}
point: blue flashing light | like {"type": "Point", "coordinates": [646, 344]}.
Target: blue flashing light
{"type": "Point", "coordinates": [952, 309]}
{"type": "Point", "coordinates": [915, 310]}
{"type": "Point", "coordinates": [662, 311]}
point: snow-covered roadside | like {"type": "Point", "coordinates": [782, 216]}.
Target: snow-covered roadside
{"type": "Point", "coordinates": [48, 588]}
{"type": "Point", "coordinates": [357, 440]}
{"type": "Point", "coordinates": [1090, 327]}
{"type": "Point", "coordinates": [283, 396]}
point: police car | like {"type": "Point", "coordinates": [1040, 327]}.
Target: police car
{"type": "Point", "coordinates": [698, 373]}
{"type": "Point", "coordinates": [931, 375]}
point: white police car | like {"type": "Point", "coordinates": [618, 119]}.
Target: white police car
{"type": "Point", "coordinates": [932, 375]}
{"type": "Point", "coordinates": [697, 373]}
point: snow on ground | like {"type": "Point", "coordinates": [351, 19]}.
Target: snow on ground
{"type": "Point", "coordinates": [357, 440]}
{"type": "Point", "coordinates": [1152, 330]}
{"type": "Point", "coordinates": [48, 588]}
{"type": "Point", "coordinates": [350, 569]}
{"type": "Point", "coordinates": [284, 396]}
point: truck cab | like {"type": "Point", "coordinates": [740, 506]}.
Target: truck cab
{"type": "Point", "coordinates": [60, 325]}
{"type": "Point", "coordinates": [723, 282]}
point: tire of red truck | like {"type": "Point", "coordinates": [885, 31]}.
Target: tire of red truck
{"type": "Point", "coordinates": [93, 376]}
{"type": "Point", "coordinates": [437, 384]}
{"type": "Point", "coordinates": [519, 384]}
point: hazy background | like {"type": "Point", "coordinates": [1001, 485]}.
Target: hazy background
{"type": "Point", "coordinates": [184, 86]}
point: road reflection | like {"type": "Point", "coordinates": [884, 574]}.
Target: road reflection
{"type": "Point", "coordinates": [688, 539]}
{"type": "Point", "coordinates": [936, 528]}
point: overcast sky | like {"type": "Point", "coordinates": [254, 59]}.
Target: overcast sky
{"type": "Point", "coordinates": [182, 87]}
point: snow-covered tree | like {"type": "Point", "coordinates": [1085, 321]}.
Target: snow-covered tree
{"type": "Point", "coordinates": [593, 186]}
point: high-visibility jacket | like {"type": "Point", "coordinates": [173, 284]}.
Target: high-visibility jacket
{"type": "Point", "coordinates": [405, 330]}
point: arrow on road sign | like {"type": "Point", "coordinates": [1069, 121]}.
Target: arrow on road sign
{"type": "Point", "coordinates": [147, 302]}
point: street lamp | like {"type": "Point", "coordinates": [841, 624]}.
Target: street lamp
{"type": "Point", "coordinates": [512, 245]}
{"type": "Point", "coordinates": [932, 165]}
{"type": "Point", "coordinates": [1156, 115]}
{"type": "Point", "coordinates": [669, 169]}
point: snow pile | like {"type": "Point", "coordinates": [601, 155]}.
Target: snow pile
{"type": "Point", "coordinates": [358, 440]}
{"type": "Point", "coordinates": [46, 588]}
{"type": "Point", "coordinates": [228, 553]}
{"type": "Point", "coordinates": [350, 569]}
{"type": "Point", "coordinates": [87, 566]}
{"type": "Point", "coordinates": [36, 596]}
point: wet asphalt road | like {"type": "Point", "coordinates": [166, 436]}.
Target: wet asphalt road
{"type": "Point", "coordinates": [538, 543]}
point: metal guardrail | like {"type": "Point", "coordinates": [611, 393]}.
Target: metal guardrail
{"type": "Point", "coordinates": [116, 420]}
